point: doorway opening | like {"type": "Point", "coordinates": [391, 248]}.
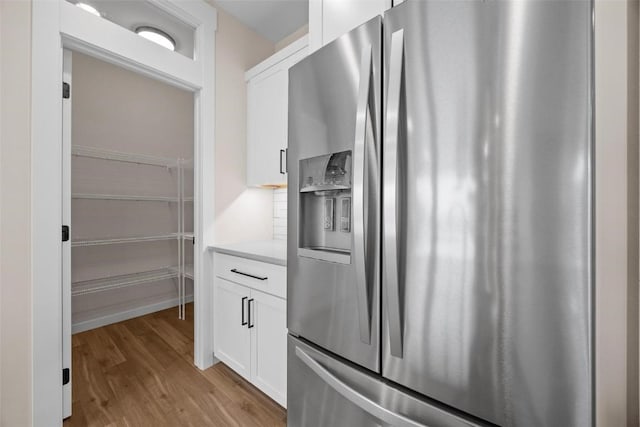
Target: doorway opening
{"type": "Point", "coordinates": [101, 38]}
{"type": "Point", "coordinates": [128, 200]}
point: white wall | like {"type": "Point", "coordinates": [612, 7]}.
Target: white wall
{"type": "Point", "coordinates": [280, 195]}
{"type": "Point", "coordinates": [118, 109]}
{"type": "Point", "coordinates": [286, 41]}
{"type": "Point", "coordinates": [241, 213]}
{"type": "Point", "coordinates": [616, 213]}
{"type": "Point", "coordinates": [15, 230]}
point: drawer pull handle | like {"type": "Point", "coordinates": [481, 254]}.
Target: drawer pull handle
{"type": "Point", "coordinates": [233, 270]}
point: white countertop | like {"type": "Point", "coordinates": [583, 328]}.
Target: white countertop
{"type": "Point", "coordinates": [271, 251]}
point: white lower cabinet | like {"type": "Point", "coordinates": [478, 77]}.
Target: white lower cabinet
{"type": "Point", "coordinates": [232, 337]}
{"type": "Point", "coordinates": [250, 326]}
{"type": "Point", "coordinates": [269, 345]}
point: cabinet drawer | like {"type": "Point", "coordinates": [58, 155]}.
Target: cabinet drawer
{"type": "Point", "coordinates": [265, 277]}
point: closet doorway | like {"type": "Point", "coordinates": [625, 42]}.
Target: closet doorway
{"type": "Point", "coordinates": [128, 193]}
{"type": "Point", "coordinates": [60, 24]}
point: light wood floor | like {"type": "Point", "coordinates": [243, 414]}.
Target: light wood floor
{"type": "Point", "coordinates": [140, 373]}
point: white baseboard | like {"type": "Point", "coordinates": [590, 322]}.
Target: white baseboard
{"type": "Point", "coordinates": [125, 315]}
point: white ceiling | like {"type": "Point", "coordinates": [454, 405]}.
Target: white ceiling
{"type": "Point", "coordinates": [272, 19]}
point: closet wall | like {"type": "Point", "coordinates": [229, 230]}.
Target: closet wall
{"type": "Point", "coordinates": [118, 110]}
{"type": "Point", "coordinates": [241, 213]}
{"type": "Point", "coordinates": [280, 195]}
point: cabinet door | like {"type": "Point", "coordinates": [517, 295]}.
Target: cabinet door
{"type": "Point", "coordinates": [269, 345]}
{"type": "Point", "coordinates": [232, 338]}
{"type": "Point", "coordinates": [341, 16]}
{"type": "Point", "coordinates": [267, 127]}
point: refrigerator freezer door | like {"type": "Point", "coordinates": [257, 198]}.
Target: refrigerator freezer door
{"type": "Point", "coordinates": [486, 194]}
{"type": "Point", "coordinates": [333, 272]}
{"type": "Point", "coordinates": [324, 391]}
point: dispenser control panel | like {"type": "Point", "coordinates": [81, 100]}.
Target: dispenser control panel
{"type": "Point", "coordinates": [325, 207]}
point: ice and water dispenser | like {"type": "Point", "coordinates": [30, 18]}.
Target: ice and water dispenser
{"type": "Point", "coordinates": [325, 208]}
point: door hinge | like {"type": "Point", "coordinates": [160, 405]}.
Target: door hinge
{"type": "Point", "coordinates": [65, 376]}
{"type": "Point", "coordinates": [66, 90]}
{"type": "Point", "coordinates": [194, 240]}
{"type": "Point", "coordinates": [65, 233]}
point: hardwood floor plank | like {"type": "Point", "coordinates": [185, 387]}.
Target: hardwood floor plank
{"type": "Point", "coordinates": [89, 384]}
{"type": "Point", "coordinates": [183, 326]}
{"type": "Point", "coordinates": [134, 402]}
{"type": "Point", "coordinates": [140, 373]}
{"type": "Point", "coordinates": [132, 347]}
{"type": "Point", "coordinates": [198, 402]}
{"type": "Point", "coordinates": [102, 347]}
{"type": "Point", "coordinates": [158, 349]}
{"type": "Point", "coordinates": [251, 400]}
{"type": "Point", "coordinates": [181, 344]}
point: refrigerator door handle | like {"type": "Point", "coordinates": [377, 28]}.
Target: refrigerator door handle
{"type": "Point", "coordinates": [363, 402]}
{"type": "Point", "coordinates": [390, 189]}
{"type": "Point", "coordinates": [363, 120]}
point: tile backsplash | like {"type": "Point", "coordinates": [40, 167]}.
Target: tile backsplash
{"type": "Point", "coordinates": [280, 214]}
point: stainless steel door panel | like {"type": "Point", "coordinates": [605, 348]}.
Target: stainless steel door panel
{"type": "Point", "coordinates": [493, 230]}
{"type": "Point", "coordinates": [323, 391]}
{"type": "Point", "coordinates": [334, 106]}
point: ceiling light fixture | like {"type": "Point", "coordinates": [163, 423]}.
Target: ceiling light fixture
{"type": "Point", "coordinates": [157, 36]}
{"type": "Point", "coordinates": [88, 8]}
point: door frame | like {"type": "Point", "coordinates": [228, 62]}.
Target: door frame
{"type": "Point", "coordinates": [57, 24]}
{"type": "Point", "coordinates": [67, 347]}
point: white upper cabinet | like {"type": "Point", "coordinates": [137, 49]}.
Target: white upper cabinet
{"type": "Point", "coordinates": [267, 127]}
{"type": "Point", "coordinates": [267, 116]}
{"type": "Point", "coordinates": [329, 19]}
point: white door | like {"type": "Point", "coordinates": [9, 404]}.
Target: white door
{"type": "Point", "coordinates": [232, 334]}
{"type": "Point", "coordinates": [66, 245]}
{"type": "Point", "coordinates": [267, 127]}
{"type": "Point", "coordinates": [269, 345]}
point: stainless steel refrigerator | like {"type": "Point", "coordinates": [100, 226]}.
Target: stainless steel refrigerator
{"type": "Point", "coordinates": [440, 219]}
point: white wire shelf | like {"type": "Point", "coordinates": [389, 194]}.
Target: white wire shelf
{"type": "Point", "coordinates": [142, 159]}
{"type": "Point", "coordinates": [122, 240]}
{"type": "Point", "coordinates": [122, 281]}
{"type": "Point", "coordinates": [137, 198]}
{"type": "Point", "coordinates": [179, 273]}
{"type": "Point", "coordinates": [188, 271]}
